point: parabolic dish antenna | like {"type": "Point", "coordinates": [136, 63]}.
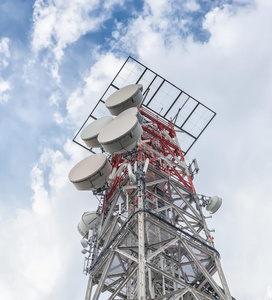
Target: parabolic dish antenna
{"type": "Point", "coordinates": [214, 204]}
{"type": "Point", "coordinates": [121, 134]}
{"type": "Point", "coordinates": [91, 172]}
{"type": "Point", "coordinates": [90, 133]}
{"type": "Point", "coordinates": [124, 98]}
{"type": "Point", "coordinates": [88, 221]}
{"type": "Point", "coordinates": [131, 111]}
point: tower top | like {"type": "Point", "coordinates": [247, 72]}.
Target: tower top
{"type": "Point", "coordinates": [189, 116]}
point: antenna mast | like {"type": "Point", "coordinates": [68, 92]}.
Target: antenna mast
{"type": "Point", "coordinates": [148, 238]}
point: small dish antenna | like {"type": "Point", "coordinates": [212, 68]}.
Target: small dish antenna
{"type": "Point", "coordinates": [91, 172]}
{"type": "Point", "coordinates": [213, 204]}
{"type": "Point", "coordinates": [84, 251]}
{"type": "Point", "coordinates": [88, 221]}
{"type": "Point", "coordinates": [84, 243]}
{"type": "Point", "coordinates": [121, 134]}
{"type": "Point", "coordinates": [126, 97]}
{"type": "Point", "coordinates": [90, 133]}
{"type": "Point", "coordinates": [132, 111]}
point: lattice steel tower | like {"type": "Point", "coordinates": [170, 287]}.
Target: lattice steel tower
{"type": "Point", "coordinates": [148, 238]}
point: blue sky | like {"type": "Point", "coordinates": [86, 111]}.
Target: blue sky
{"type": "Point", "coordinates": [56, 59]}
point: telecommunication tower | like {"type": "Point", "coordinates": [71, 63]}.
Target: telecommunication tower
{"type": "Point", "coordinates": [148, 238]}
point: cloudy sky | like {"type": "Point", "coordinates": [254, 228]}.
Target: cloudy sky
{"type": "Point", "coordinates": [56, 59]}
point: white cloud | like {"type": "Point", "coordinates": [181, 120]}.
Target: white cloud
{"type": "Point", "coordinates": [42, 205]}
{"type": "Point", "coordinates": [58, 118]}
{"type": "Point", "coordinates": [95, 82]}
{"type": "Point", "coordinates": [158, 8]}
{"type": "Point", "coordinates": [60, 23]}
{"type": "Point", "coordinates": [37, 243]}
{"type": "Point", "coordinates": [5, 86]}
{"type": "Point", "coordinates": [191, 5]}
{"type": "Point", "coordinates": [55, 99]}
{"type": "Point", "coordinates": [4, 52]}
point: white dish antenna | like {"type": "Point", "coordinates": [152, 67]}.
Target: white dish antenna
{"type": "Point", "coordinates": [124, 98]}
{"type": "Point", "coordinates": [214, 204]}
{"type": "Point", "coordinates": [131, 111]}
{"type": "Point", "coordinates": [84, 251]}
{"type": "Point", "coordinates": [90, 133]}
{"type": "Point", "coordinates": [121, 134]}
{"type": "Point", "coordinates": [91, 172]}
{"type": "Point", "coordinates": [88, 221]}
{"type": "Point", "coordinates": [84, 243]}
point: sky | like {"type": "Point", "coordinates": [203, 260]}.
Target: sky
{"type": "Point", "coordinates": [56, 59]}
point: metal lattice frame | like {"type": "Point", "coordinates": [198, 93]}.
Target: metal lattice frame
{"type": "Point", "coordinates": [189, 116]}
